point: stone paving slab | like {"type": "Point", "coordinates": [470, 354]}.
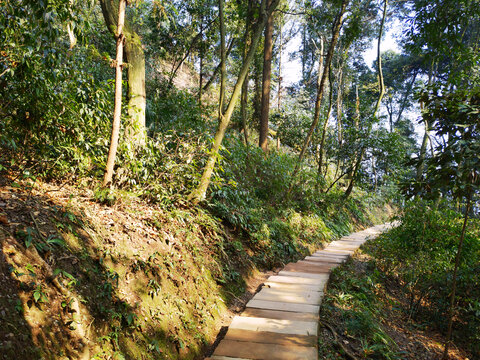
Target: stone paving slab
{"type": "Point", "coordinates": [281, 321]}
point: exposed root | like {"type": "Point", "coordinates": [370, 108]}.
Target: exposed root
{"type": "Point", "coordinates": [347, 352]}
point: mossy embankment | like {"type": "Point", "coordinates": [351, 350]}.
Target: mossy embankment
{"type": "Point", "coordinates": [133, 280]}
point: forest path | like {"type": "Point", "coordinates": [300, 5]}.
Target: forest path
{"type": "Point", "coordinates": [281, 321]}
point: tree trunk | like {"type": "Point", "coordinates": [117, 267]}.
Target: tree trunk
{"type": "Point", "coordinates": [199, 193]}
{"type": "Point", "coordinates": [223, 61]}
{"type": "Point", "coordinates": [266, 79]}
{"type": "Point", "coordinates": [117, 112]}
{"type": "Point", "coordinates": [244, 96]}
{"type": "Point", "coordinates": [136, 131]}
{"type": "Point", "coordinates": [321, 150]}
{"type": "Point", "coordinates": [340, 105]}
{"type": "Point", "coordinates": [379, 100]}
{"type": "Point", "coordinates": [328, 61]}
{"type": "Point", "coordinates": [280, 50]}
{"type": "Point", "coordinates": [379, 61]}
{"type": "Point", "coordinates": [257, 78]}
{"type": "Point", "coordinates": [200, 73]}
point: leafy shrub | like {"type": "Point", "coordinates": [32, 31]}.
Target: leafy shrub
{"type": "Point", "coordinates": [420, 252]}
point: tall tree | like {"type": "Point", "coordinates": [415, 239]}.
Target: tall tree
{"type": "Point", "coordinates": [199, 193]}
{"type": "Point", "coordinates": [266, 79]}
{"type": "Point", "coordinates": [135, 58]}
{"type": "Point", "coordinates": [118, 93]}
{"type": "Point", "coordinates": [321, 86]}
{"type": "Point", "coordinates": [381, 86]}
{"type": "Point", "coordinates": [244, 96]}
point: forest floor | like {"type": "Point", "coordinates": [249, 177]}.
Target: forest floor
{"type": "Point", "coordinates": [358, 297]}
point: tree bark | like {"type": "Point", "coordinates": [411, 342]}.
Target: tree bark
{"type": "Point", "coordinates": [223, 60]}
{"type": "Point", "coordinates": [325, 125]}
{"type": "Point", "coordinates": [379, 61]}
{"type": "Point", "coordinates": [134, 56]}
{"type": "Point", "coordinates": [199, 193]}
{"type": "Point", "coordinates": [280, 51]}
{"type": "Point", "coordinates": [340, 104]}
{"type": "Point", "coordinates": [328, 61]}
{"type": "Point", "coordinates": [266, 79]}
{"type": "Point", "coordinates": [137, 97]}
{"type": "Point", "coordinates": [244, 96]}
{"type": "Point", "coordinates": [117, 112]}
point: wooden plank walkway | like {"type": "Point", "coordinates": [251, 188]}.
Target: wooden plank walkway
{"type": "Point", "coordinates": [281, 321]}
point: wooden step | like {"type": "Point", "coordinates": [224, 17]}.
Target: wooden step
{"type": "Point", "coordinates": [292, 327]}
{"type": "Point", "coordinates": [266, 337]}
{"type": "Point", "coordinates": [283, 306]}
{"type": "Point", "coordinates": [277, 314]}
{"type": "Point", "coordinates": [257, 351]}
{"type": "Point", "coordinates": [289, 278]}
{"type": "Point", "coordinates": [305, 297]}
{"type": "Point", "coordinates": [291, 287]}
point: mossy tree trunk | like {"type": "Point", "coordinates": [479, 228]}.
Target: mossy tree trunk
{"type": "Point", "coordinates": [135, 58]}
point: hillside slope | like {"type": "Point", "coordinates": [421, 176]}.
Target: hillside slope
{"type": "Point", "coordinates": [85, 280]}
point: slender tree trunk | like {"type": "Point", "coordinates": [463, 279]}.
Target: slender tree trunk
{"type": "Point", "coordinates": [217, 69]}
{"type": "Point", "coordinates": [381, 85]}
{"type": "Point", "coordinates": [257, 88]}
{"type": "Point", "coordinates": [266, 79]}
{"type": "Point", "coordinates": [201, 55]}
{"type": "Point", "coordinates": [199, 193]}
{"type": "Point", "coordinates": [223, 61]}
{"type": "Point", "coordinates": [280, 51]}
{"type": "Point", "coordinates": [117, 112]}
{"type": "Point", "coordinates": [244, 96]}
{"type": "Point", "coordinates": [328, 61]}
{"type": "Point", "coordinates": [454, 280]}
{"type": "Point", "coordinates": [321, 150]}
{"type": "Point", "coordinates": [405, 97]}
{"type": "Point", "coordinates": [421, 156]}
{"type": "Point", "coordinates": [340, 105]}
{"type": "Point", "coordinates": [136, 132]}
